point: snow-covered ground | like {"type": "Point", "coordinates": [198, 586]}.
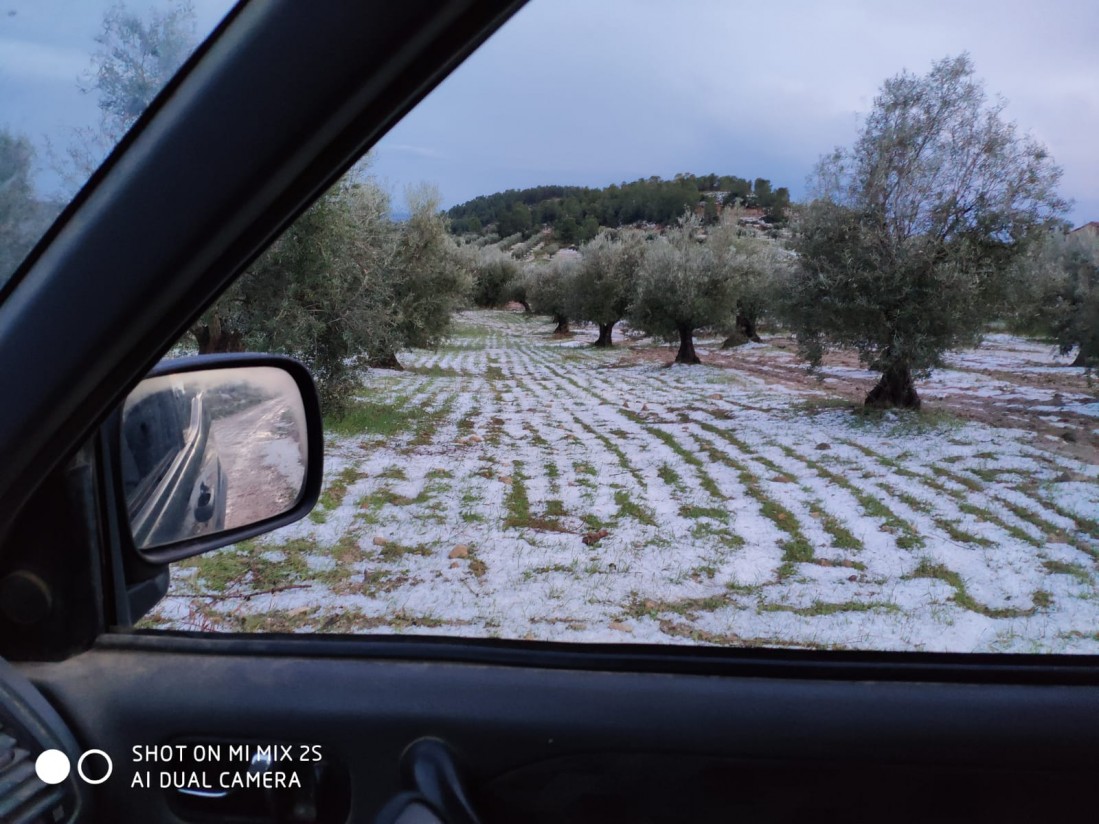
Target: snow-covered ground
{"type": "Point", "coordinates": [520, 486]}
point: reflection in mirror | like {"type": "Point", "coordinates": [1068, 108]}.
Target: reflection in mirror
{"type": "Point", "coordinates": [207, 451]}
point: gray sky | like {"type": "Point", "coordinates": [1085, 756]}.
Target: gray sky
{"type": "Point", "coordinates": [591, 92]}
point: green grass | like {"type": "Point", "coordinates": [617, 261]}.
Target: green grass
{"type": "Point", "coordinates": [956, 533]}
{"type": "Point", "coordinates": [532, 433]}
{"type": "Point", "coordinates": [818, 608]}
{"type": "Point", "coordinates": [696, 512]}
{"type": "Point", "coordinates": [242, 568]}
{"type": "Point", "coordinates": [594, 522]}
{"type": "Point", "coordinates": [900, 423]}
{"type": "Point", "coordinates": [517, 503]}
{"type": "Point", "coordinates": [927, 569]}
{"type": "Point", "coordinates": [547, 570]}
{"type": "Point", "coordinates": [841, 536]}
{"type": "Point", "coordinates": [393, 551]}
{"type": "Point", "coordinates": [908, 537]}
{"type": "Point", "coordinates": [638, 607]}
{"type": "Point", "coordinates": [779, 515]}
{"type": "Point", "coordinates": [611, 446]}
{"type": "Point", "coordinates": [708, 529]}
{"type": "Point", "coordinates": [371, 505]}
{"type": "Point", "coordinates": [334, 493]}
{"type": "Point", "coordinates": [912, 502]}
{"type": "Point", "coordinates": [704, 480]}
{"type": "Point", "coordinates": [989, 476]}
{"type": "Point", "coordinates": [467, 422]}
{"type": "Point", "coordinates": [477, 567]}
{"type": "Point", "coordinates": [376, 417]}
{"type": "Point", "coordinates": [436, 371]}
{"type": "Point", "coordinates": [668, 475]}
{"type": "Point", "coordinates": [818, 405]}
{"type": "Point", "coordinates": [1063, 568]}
{"type": "Point", "coordinates": [795, 550]}
{"type": "Point", "coordinates": [962, 498]}
{"type": "Point", "coordinates": [627, 508]}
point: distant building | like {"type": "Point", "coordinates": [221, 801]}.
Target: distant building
{"type": "Point", "coordinates": [1088, 230]}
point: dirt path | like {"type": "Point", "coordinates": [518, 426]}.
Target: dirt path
{"type": "Point", "coordinates": [260, 453]}
{"type": "Point", "coordinates": [1057, 403]}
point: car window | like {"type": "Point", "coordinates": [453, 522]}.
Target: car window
{"type": "Point", "coordinates": [614, 344]}
{"type": "Point", "coordinates": [73, 78]}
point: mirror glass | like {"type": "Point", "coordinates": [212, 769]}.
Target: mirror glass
{"type": "Point", "coordinates": [207, 451]}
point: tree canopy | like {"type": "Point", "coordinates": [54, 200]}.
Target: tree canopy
{"type": "Point", "coordinates": [606, 279]}
{"type": "Point", "coordinates": [136, 57]}
{"type": "Point", "coordinates": [550, 286]}
{"type": "Point", "coordinates": [685, 283]}
{"type": "Point", "coordinates": [905, 248]}
{"type": "Point", "coordinates": [345, 286]}
{"type": "Point", "coordinates": [1057, 293]}
{"type": "Point", "coordinates": [23, 217]}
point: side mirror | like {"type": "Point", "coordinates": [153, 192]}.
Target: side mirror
{"type": "Point", "coordinates": [215, 449]}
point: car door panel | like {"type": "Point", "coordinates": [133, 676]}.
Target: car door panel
{"type": "Point", "coordinates": [553, 743]}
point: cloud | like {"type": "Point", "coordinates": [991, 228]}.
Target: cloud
{"type": "Point", "coordinates": [592, 93]}
{"type": "Point", "coordinates": [404, 148]}
{"type": "Point", "coordinates": [23, 60]}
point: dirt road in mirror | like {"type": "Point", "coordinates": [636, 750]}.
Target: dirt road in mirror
{"type": "Point", "coordinates": [261, 454]}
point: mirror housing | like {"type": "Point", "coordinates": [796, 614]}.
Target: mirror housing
{"type": "Point", "coordinates": [214, 449]}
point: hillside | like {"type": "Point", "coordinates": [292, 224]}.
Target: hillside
{"type": "Point", "coordinates": [576, 213]}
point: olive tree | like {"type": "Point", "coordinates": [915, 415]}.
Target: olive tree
{"type": "Point", "coordinates": [315, 293]}
{"type": "Point", "coordinates": [606, 278]}
{"type": "Point", "coordinates": [137, 55]}
{"type": "Point", "coordinates": [424, 280]}
{"type": "Point", "coordinates": [550, 285]}
{"type": "Point", "coordinates": [517, 292]}
{"type": "Point", "coordinates": [1057, 293]}
{"type": "Point", "coordinates": [23, 217]}
{"type": "Point", "coordinates": [494, 274]}
{"type": "Point", "coordinates": [755, 267]}
{"type": "Point", "coordinates": [905, 249]}
{"type": "Point", "coordinates": [684, 284]}
{"type": "Point", "coordinates": [344, 286]}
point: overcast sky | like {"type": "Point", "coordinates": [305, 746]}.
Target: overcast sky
{"type": "Point", "coordinates": [591, 92]}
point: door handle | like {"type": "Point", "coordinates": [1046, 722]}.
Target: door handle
{"type": "Point", "coordinates": [435, 792]}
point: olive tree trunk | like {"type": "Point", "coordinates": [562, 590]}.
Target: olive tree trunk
{"type": "Point", "coordinates": [895, 388]}
{"type": "Point", "coordinates": [386, 360]}
{"type": "Point", "coordinates": [604, 338]}
{"type": "Point", "coordinates": [745, 331]}
{"type": "Point", "coordinates": [214, 337]}
{"type": "Point", "coordinates": [686, 353]}
{"type": "Point", "coordinates": [1085, 356]}
{"type": "Point", "coordinates": [562, 325]}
